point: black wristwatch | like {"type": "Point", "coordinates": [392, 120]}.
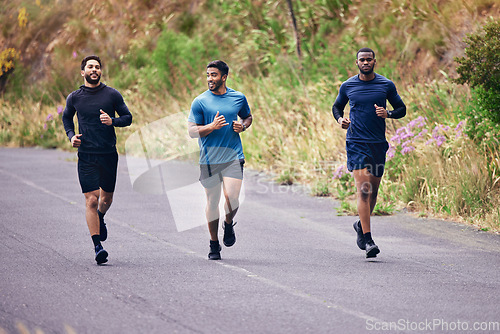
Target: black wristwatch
{"type": "Point", "coordinates": [244, 127]}
{"type": "Point", "coordinates": [389, 114]}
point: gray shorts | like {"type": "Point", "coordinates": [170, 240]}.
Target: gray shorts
{"type": "Point", "coordinates": [212, 175]}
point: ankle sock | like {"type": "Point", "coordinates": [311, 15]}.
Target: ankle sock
{"type": "Point", "coordinates": [368, 236]}
{"type": "Point", "coordinates": [96, 239]}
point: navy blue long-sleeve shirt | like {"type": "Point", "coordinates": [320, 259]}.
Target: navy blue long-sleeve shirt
{"type": "Point", "coordinates": [87, 102]}
{"type": "Point", "coordinates": [362, 96]}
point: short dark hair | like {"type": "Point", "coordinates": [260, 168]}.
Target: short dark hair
{"type": "Point", "coordinates": [86, 59]}
{"type": "Point", "coordinates": [365, 50]}
{"type": "Point", "coordinates": [220, 65]}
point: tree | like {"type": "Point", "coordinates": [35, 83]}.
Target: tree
{"type": "Point", "coordinates": [480, 68]}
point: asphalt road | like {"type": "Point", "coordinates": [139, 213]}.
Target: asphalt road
{"type": "Point", "coordinates": [295, 267]}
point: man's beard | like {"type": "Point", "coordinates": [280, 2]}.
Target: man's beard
{"type": "Point", "coordinates": [217, 85]}
{"type": "Point", "coordinates": [366, 72]}
{"type": "Point", "coordinates": [92, 81]}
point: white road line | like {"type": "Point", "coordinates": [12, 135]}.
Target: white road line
{"type": "Point", "coordinates": [243, 271]}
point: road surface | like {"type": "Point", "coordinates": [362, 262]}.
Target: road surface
{"type": "Point", "coordinates": [295, 267]}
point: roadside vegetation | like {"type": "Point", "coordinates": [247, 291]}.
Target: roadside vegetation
{"type": "Point", "coordinates": [444, 158]}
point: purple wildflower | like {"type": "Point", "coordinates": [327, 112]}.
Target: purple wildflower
{"type": "Point", "coordinates": [339, 172]}
{"type": "Point", "coordinates": [74, 55]}
{"type": "Point", "coordinates": [45, 126]}
{"type": "Point", "coordinates": [421, 133]}
{"type": "Point", "coordinates": [49, 117]}
{"type": "Point", "coordinates": [391, 152]}
{"type": "Point", "coordinates": [59, 110]}
{"type": "Point", "coordinates": [407, 135]}
{"type": "Point", "coordinates": [407, 149]}
{"type": "Point", "coordinates": [396, 139]}
{"type": "Point", "coordinates": [459, 125]}
{"type": "Point", "coordinates": [440, 140]}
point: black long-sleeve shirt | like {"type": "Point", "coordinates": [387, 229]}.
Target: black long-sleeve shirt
{"type": "Point", "coordinates": [366, 126]}
{"type": "Point", "coordinates": [87, 102]}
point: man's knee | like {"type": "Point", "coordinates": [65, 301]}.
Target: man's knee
{"type": "Point", "coordinates": [92, 201]}
{"type": "Point", "coordinates": [366, 191]}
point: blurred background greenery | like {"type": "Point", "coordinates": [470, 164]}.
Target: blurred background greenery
{"type": "Point", "coordinates": [444, 158]}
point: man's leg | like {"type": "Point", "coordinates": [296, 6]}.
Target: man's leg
{"type": "Point", "coordinates": [212, 210]}
{"type": "Point", "coordinates": [232, 188]}
{"type": "Point", "coordinates": [105, 200]}
{"type": "Point", "coordinates": [91, 204]}
{"type": "Point", "coordinates": [367, 190]}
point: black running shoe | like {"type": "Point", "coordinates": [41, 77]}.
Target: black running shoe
{"type": "Point", "coordinates": [103, 231]}
{"type": "Point", "coordinates": [101, 256]}
{"type": "Point", "coordinates": [229, 236]}
{"type": "Point", "coordinates": [361, 238]}
{"type": "Point", "coordinates": [371, 249]}
{"type": "Point", "coordinates": [215, 249]}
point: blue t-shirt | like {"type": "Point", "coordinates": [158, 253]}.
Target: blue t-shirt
{"type": "Point", "coordinates": [366, 126]}
{"type": "Point", "coordinates": [222, 145]}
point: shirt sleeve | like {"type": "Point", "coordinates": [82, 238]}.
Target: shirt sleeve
{"type": "Point", "coordinates": [245, 109]}
{"type": "Point", "coordinates": [396, 102]}
{"type": "Point", "coordinates": [121, 109]}
{"type": "Point", "coordinates": [340, 103]}
{"type": "Point", "coordinates": [196, 113]}
{"type": "Point", "coordinates": [67, 117]}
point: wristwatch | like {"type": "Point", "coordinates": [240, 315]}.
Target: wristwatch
{"type": "Point", "coordinates": [244, 127]}
{"type": "Point", "coordinates": [389, 114]}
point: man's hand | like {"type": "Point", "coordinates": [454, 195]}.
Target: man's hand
{"type": "Point", "coordinates": [344, 122]}
{"type": "Point", "coordinates": [381, 111]}
{"type": "Point", "coordinates": [105, 119]}
{"type": "Point", "coordinates": [238, 127]}
{"type": "Point", "coordinates": [76, 141]}
{"type": "Point", "coordinates": [219, 122]}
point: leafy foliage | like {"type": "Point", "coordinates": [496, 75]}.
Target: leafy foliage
{"type": "Point", "coordinates": [480, 68]}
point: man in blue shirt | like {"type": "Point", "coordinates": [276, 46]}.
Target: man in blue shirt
{"type": "Point", "coordinates": [95, 105]}
{"type": "Point", "coordinates": [366, 146]}
{"type": "Point", "coordinates": [214, 120]}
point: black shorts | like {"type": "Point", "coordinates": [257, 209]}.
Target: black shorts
{"type": "Point", "coordinates": [211, 175]}
{"type": "Point", "coordinates": [366, 155]}
{"type": "Point", "coordinates": [97, 171]}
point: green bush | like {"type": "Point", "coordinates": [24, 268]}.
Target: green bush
{"type": "Point", "coordinates": [480, 68]}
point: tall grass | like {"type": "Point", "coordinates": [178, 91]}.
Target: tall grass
{"type": "Point", "coordinates": [157, 58]}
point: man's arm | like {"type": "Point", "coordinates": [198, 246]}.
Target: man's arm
{"type": "Point", "coordinates": [397, 103]}
{"type": "Point", "coordinates": [198, 130]}
{"type": "Point", "coordinates": [399, 109]}
{"type": "Point", "coordinates": [338, 109]}
{"type": "Point", "coordinates": [121, 108]}
{"type": "Point", "coordinates": [67, 118]}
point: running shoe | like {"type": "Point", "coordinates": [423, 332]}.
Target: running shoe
{"type": "Point", "coordinates": [101, 256]}
{"type": "Point", "coordinates": [229, 236]}
{"type": "Point", "coordinates": [371, 249]}
{"type": "Point", "coordinates": [215, 249]}
{"type": "Point", "coordinates": [103, 231]}
{"type": "Point", "coordinates": [361, 238]}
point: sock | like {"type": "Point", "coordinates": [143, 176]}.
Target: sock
{"type": "Point", "coordinates": [101, 215]}
{"type": "Point", "coordinates": [368, 236]}
{"type": "Point", "coordinates": [96, 239]}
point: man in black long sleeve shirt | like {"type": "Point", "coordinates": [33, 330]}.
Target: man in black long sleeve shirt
{"type": "Point", "coordinates": [95, 105]}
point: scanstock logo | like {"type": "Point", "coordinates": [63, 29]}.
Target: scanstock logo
{"type": "Point", "coordinates": [163, 160]}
